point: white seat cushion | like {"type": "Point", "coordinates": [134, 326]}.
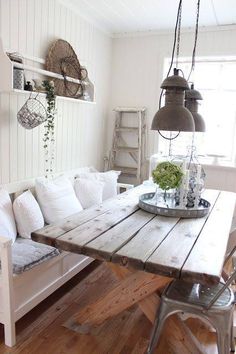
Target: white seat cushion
{"type": "Point", "coordinates": [56, 198]}
{"type": "Point", "coordinates": [109, 179]}
{"type": "Point", "coordinates": [26, 254]}
{"type": "Point", "coordinates": [27, 214]}
{"type": "Point", "coordinates": [89, 192]}
{"type": "Point", "coordinates": [7, 221]}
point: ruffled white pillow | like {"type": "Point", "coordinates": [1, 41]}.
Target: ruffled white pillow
{"type": "Point", "coordinates": [56, 198]}
{"type": "Point", "coordinates": [109, 179]}
{"type": "Point", "coordinates": [27, 214]}
{"type": "Point", "coordinates": [89, 192]}
{"type": "Point", "coordinates": [7, 221]}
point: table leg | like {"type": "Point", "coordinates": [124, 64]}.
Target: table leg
{"type": "Point", "coordinates": [148, 305]}
{"type": "Point", "coordinates": [132, 289]}
{"type": "Point", "coordinates": [177, 333]}
{"type": "Point", "coordinates": [136, 287]}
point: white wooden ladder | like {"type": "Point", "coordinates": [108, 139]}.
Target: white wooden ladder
{"type": "Point", "coordinates": [120, 145]}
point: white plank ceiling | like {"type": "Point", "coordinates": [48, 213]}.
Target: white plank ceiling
{"type": "Point", "coordinates": [120, 16]}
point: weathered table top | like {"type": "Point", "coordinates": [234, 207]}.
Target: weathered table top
{"type": "Point", "coordinates": [119, 231]}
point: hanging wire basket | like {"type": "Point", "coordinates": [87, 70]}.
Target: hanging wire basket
{"type": "Point", "coordinates": [32, 113]}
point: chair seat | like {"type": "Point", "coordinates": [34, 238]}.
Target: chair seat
{"type": "Point", "coordinates": [197, 294]}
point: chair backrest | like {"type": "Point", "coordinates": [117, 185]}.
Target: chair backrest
{"type": "Point", "coordinates": [228, 282]}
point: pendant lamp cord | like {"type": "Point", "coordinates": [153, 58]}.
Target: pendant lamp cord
{"type": "Point", "coordinates": [170, 138]}
{"type": "Point", "coordinates": [176, 34]}
{"type": "Point", "coordinates": [195, 39]}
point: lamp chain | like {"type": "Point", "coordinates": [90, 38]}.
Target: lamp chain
{"type": "Point", "coordinates": [195, 39]}
{"type": "Point", "coordinates": [176, 39]}
{"type": "Point", "coordinates": [173, 48]}
{"type": "Point", "coordinates": [178, 35]}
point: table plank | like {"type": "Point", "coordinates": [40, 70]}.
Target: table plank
{"type": "Point", "coordinates": [49, 233]}
{"type": "Point", "coordinates": [109, 242]}
{"type": "Point", "coordinates": [76, 239]}
{"type": "Point", "coordinates": [119, 231]}
{"type": "Point", "coordinates": [170, 256]}
{"type": "Point", "coordinates": [205, 262]}
{"type": "Point", "coordinates": [136, 252]}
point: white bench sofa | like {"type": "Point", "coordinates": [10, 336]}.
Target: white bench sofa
{"type": "Point", "coordinates": [19, 293]}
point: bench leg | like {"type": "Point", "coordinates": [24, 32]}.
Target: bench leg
{"type": "Point", "coordinates": [10, 334]}
{"type": "Point", "coordinates": [8, 296]}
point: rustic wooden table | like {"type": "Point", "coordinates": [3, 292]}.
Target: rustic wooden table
{"type": "Point", "coordinates": [145, 252]}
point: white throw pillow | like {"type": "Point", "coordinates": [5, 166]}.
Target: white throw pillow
{"type": "Point", "coordinates": [7, 221]}
{"type": "Point", "coordinates": [109, 179]}
{"type": "Point", "coordinates": [27, 214]}
{"type": "Point", "coordinates": [89, 192]}
{"type": "Point", "coordinates": [56, 198]}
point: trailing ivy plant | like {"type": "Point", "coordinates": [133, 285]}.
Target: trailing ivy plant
{"type": "Point", "coordinates": [49, 128]}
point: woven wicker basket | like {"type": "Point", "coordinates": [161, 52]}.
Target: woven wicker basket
{"type": "Point", "coordinates": [62, 59]}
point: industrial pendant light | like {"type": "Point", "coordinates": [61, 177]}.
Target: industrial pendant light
{"type": "Point", "coordinates": [174, 116]}
{"type": "Point", "coordinates": [192, 97]}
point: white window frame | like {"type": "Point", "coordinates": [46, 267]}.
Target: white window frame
{"type": "Point", "coordinates": [207, 159]}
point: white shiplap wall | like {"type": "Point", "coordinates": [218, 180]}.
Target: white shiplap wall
{"type": "Point", "coordinates": [29, 26]}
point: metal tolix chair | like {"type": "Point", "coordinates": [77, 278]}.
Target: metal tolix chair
{"type": "Point", "coordinates": [214, 304]}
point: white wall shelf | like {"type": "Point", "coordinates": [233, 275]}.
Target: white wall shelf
{"type": "Point", "coordinates": [42, 94]}
{"type": "Point", "coordinates": [6, 82]}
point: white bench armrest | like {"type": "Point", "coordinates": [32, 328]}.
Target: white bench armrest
{"type": "Point", "coordinates": [7, 290]}
{"type": "Point", "coordinates": [5, 242]}
{"type": "Point", "coordinates": [124, 186]}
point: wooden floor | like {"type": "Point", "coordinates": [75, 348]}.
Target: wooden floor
{"type": "Point", "coordinates": [43, 329]}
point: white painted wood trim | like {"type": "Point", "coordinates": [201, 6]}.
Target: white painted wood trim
{"type": "Point", "coordinates": [45, 72]}
{"type": "Point", "coordinates": [129, 109]}
{"type": "Point", "coordinates": [23, 185]}
{"type": "Point", "coordinates": [6, 81]}
{"type": "Point", "coordinates": [26, 56]}
{"type": "Point", "coordinates": [58, 98]}
{"type": "Point", "coordinates": [8, 294]}
{"type": "Point", "coordinates": [126, 186]}
{"type": "Point", "coordinates": [37, 298]}
{"type": "Point", "coordinates": [163, 32]}
{"type": "Point", "coordinates": [4, 242]}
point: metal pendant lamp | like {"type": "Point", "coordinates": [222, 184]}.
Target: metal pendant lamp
{"type": "Point", "coordinates": [192, 97]}
{"type": "Point", "coordinates": [174, 116]}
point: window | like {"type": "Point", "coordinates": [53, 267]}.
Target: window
{"type": "Point", "coordinates": [216, 80]}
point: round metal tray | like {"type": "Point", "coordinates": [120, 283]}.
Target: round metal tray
{"type": "Point", "coordinates": [150, 204]}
